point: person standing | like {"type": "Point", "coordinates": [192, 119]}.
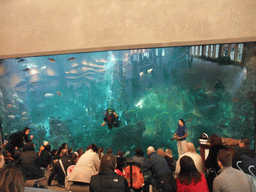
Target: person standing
{"type": "Point", "coordinates": [180, 136]}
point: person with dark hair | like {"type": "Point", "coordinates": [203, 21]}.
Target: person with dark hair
{"type": "Point", "coordinates": [100, 152]}
{"type": "Point", "coordinates": [57, 168]}
{"type": "Point", "coordinates": [45, 158]}
{"type": "Point", "coordinates": [11, 180]}
{"type": "Point", "coordinates": [189, 178]}
{"type": "Point", "coordinates": [28, 162]}
{"type": "Point", "coordinates": [244, 154]}
{"type": "Point", "coordinates": [139, 156]}
{"type": "Point", "coordinates": [17, 139]}
{"type": "Point", "coordinates": [229, 179]}
{"type": "Point", "coordinates": [120, 160]}
{"type": "Point", "coordinates": [211, 161]}
{"type": "Point", "coordinates": [87, 165]}
{"type": "Point", "coordinates": [111, 119]}
{"type": "Point", "coordinates": [64, 146]}
{"type": "Point", "coordinates": [180, 136]}
{"type": "Point", "coordinates": [76, 155]}
{"type": "Point", "coordinates": [109, 151]}
{"type": "Point", "coordinates": [216, 145]}
{"type": "Point", "coordinates": [107, 180]}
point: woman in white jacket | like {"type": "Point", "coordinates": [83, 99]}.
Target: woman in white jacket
{"type": "Point", "coordinates": [87, 166]}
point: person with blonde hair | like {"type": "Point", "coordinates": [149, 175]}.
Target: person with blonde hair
{"type": "Point", "coordinates": [190, 151]}
{"type": "Point", "coordinates": [11, 180]}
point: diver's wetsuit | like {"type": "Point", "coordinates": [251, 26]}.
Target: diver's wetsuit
{"type": "Point", "coordinates": [111, 120]}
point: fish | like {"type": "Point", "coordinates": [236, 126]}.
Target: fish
{"type": "Point", "coordinates": [11, 116]}
{"type": "Point", "coordinates": [197, 113]}
{"type": "Point", "coordinates": [52, 60]}
{"type": "Point", "coordinates": [235, 99]}
{"type": "Point", "coordinates": [15, 107]}
{"type": "Point", "coordinates": [189, 120]}
{"type": "Point", "coordinates": [49, 95]}
{"type": "Point", "coordinates": [59, 93]}
{"type": "Point", "coordinates": [9, 105]}
{"type": "Point", "coordinates": [4, 109]}
{"type": "Point", "coordinates": [27, 69]}
{"type": "Point", "coordinates": [24, 118]}
{"type": "Point", "coordinates": [24, 113]}
{"type": "Point", "coordinates": [198, 87]}
{"type": "Point", "coordinates": [21, 60]}
{"type": "Point", "coordinates": [34, 83]}
{"type": "Point", "coordinates": [208, 92]}
{"type": "Point", "coordinates": [71, 59]}
{"type": "Point", "coordinates": [223, 126]}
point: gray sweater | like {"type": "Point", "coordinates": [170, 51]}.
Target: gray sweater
{"type": "Point", "coordinates": [231, 180]}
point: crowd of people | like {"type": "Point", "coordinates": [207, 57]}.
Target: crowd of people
{"type": "Point", "coordinates": [106, 171]}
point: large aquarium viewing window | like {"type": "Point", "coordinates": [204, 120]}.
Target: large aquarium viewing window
{"type": "Point", "coordinates": [64, 98]}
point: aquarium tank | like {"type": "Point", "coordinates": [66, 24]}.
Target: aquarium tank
{"type": "Point", "coordinates": [64, 98]}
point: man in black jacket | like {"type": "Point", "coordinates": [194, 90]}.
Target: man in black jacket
{"type": "Point", "coordinates": [57, 169]}
{"type": "Point", "coordinates": [160, 173]}
{"type": "Point", "coordinates": [28, 162]}
{"type": "Point", "coordinates": [107, 180]}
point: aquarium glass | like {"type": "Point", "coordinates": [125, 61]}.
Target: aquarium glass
{"type": "Point", "coordinates": [64, 98]}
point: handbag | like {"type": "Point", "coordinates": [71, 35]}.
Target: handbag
{"type": "Point", "coordinates": [67, 182]}
{"type": "Point", "coordinates": [209, 176]}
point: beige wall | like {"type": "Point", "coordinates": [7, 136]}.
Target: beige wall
{"type": "Point", "coordinates": [41, 27]}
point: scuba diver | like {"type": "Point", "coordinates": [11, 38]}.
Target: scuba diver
{"type": "Point", "coordinates": [110, 118]}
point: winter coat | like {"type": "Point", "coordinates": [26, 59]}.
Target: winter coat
{"type": "Point", "coordinates": [87, 166]}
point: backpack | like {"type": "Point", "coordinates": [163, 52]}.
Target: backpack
{"type": "Point", "coordinates": [132, 171]}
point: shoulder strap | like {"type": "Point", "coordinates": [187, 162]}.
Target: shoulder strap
{"type": "Point", "coordinates": [62, 167]}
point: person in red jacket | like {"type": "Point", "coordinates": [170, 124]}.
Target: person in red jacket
{"type": "Point", "coordinates": [189, 178]}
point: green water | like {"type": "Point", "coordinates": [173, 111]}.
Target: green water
{"type": "Point", "coordinates": [63, 98]}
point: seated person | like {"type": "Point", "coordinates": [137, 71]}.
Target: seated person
{"type": "Point", "coordinates": [139, 156]}
{"type": "Point", "coordinates": [11, 179]}
{"type": "Point", "coordinates": [57, 168]}
{"type": "Point", "coordinates": [28, 162]}
{"type": "Point", "coordinates": [2, 161]}
{"type": "Point", "coordinates": [76, 155]}
{"type": "Point", "coordinates": [211, 161]}
{"type": "Point", "coordinates": [189, 178]}
{"type": "Point", "coordinates": [161, 175]}
{"type": "Point", "coordinates": [87, 166]}
{"type": "Point", "coordinates": [168, 159]}
{"type": "Point", "coordinates": [120, 160]}
{"type": "Point", "coordinates": [107, 180]}
{"type": "Point", "coordinates": [190, 151]}
{"type": "Point", "coordinates": [110, 118]}
{"type": "Point", "coordinates": [42, 147]}
{"type": "Point", "coordinates": [244, 154]}
{"type": "Point", "coordinates": [216, 145]}
{"type": "Point", "coordinates": [229, 179]}
{"type": "Point", "coordinates": [45, 158]}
